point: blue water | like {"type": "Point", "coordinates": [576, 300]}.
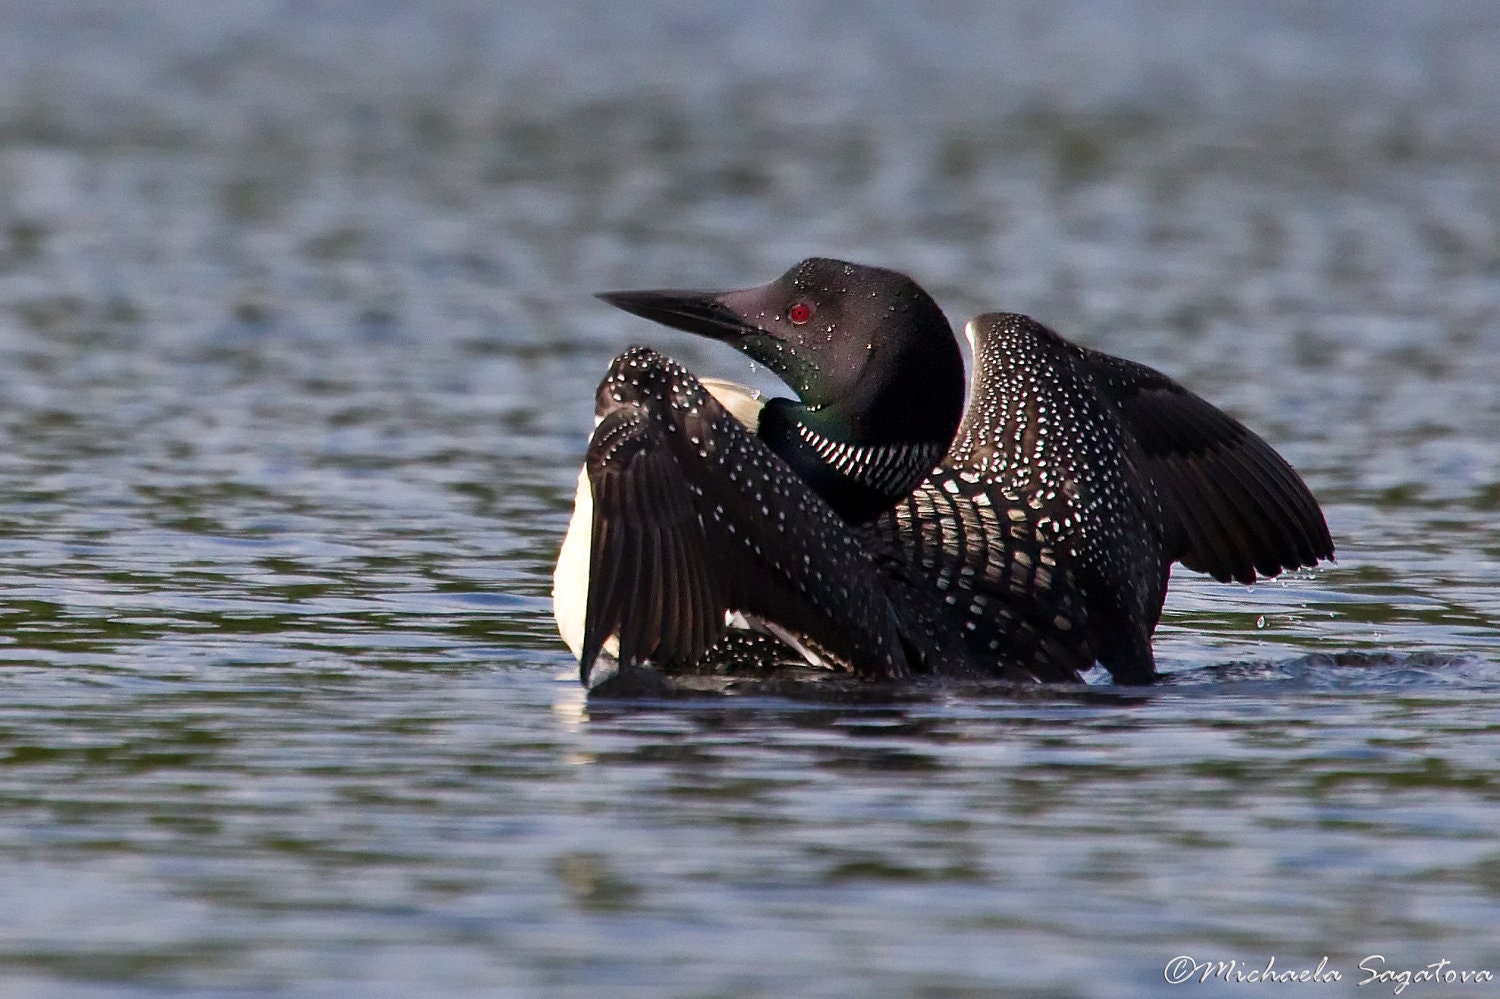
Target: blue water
{"type": "Point", "coordinates": [297, 355]}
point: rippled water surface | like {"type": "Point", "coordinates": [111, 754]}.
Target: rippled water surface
{"type": "Point", "coordinates": [297, 354]}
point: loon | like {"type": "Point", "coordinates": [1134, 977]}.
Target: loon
{"type": "Point", "coordinates": [876, 525]}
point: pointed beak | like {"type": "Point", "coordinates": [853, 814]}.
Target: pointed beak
{"type": "Point", "coordinates": [728, 316]}
{"type": "Point", "coordinates": [746, 319]}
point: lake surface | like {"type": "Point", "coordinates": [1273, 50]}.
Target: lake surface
{"type": "Point", "coordinates": [297, 356]}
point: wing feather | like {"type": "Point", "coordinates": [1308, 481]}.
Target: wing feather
{"type": "Point", "coordinates": [1239, 508]}
{"type": "Point", "coordinates": [695, 517]}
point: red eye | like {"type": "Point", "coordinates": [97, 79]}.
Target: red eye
{"type": "Point", "coordinates": [799, 313]}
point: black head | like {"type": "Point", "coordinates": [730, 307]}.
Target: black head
{"type": "Point", "coordinates": [868, 352]}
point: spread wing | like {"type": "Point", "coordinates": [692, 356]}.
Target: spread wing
{"type": "Point", "coordinates": [651, 581]}
{"type": "Point", "coordinates": [1236, 508]}
{"type": "Point", "coordinates": [695, 517]}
